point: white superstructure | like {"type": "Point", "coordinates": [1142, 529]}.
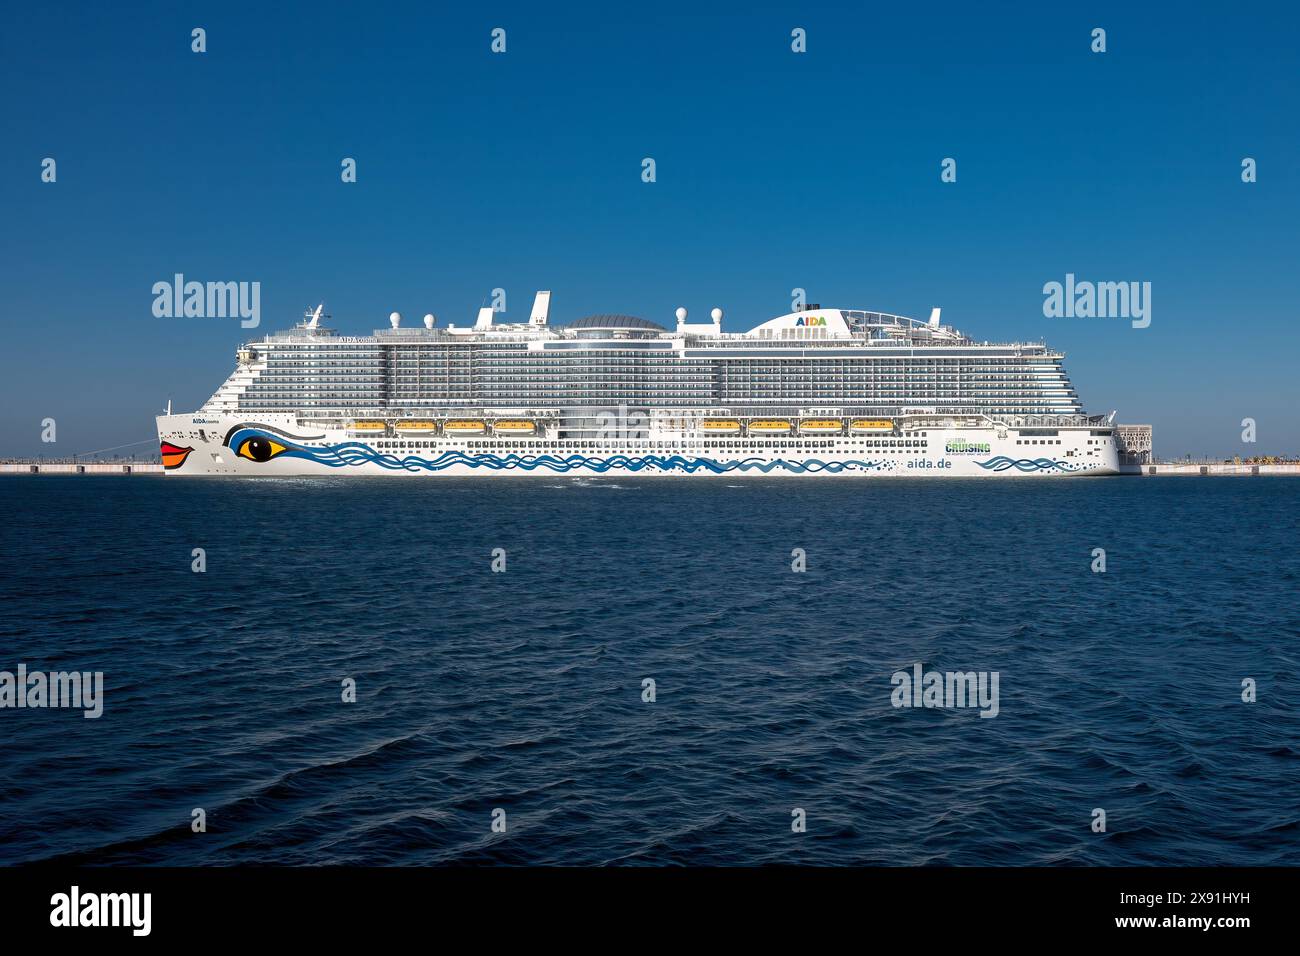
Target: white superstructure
{"type": "Point", "coordinates": [814, 392]}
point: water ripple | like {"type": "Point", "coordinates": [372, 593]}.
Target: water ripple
{"type": "Point", "coordinates": [522, 691]}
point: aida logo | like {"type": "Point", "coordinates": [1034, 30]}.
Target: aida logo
{"type": "Point", "coordinates": [811, 320]}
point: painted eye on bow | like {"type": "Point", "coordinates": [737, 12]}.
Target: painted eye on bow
{"type": "Point", "coordinates": [259, 449]}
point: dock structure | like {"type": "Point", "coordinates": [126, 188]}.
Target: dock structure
{"type": "Point", "coordinates": [1137, 457]}
{"type": "Point", "coordinates": [36, 466]}
{"type": "Point", "coordinates": [1167, 468]}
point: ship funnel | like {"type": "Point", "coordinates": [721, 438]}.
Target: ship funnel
{"type": "Point", "coordinates": [934, 318]}
{"type": "Point", "coordinates": [541, 309]}
{"type": "Point", "coordinates": [484, 320]}
{"type": "Point", "coordinates": [395, 319]}
{"type": "Point", "coordinates": [429, 320]}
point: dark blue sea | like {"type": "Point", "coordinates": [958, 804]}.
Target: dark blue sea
{"type": "Point", "coordinates": [522, 690]}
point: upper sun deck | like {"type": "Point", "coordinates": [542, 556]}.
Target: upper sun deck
{"type": "Point", "coordinates": [811, 326]}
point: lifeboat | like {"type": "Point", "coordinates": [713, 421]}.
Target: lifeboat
{"type": "Point", "coordinates": [464, 426]}
{"type": "Point", "coordinates": [720, 426]}
{"type": "Point", "coordinates": [821, 426]}
{"type": "Point", "coordinates": [514, 426]}
{"type": "Point", "coordinates": [871, 426]}
{"type": "Point", "coordinates": [769, 426]}
{"type": "Point", "coordinates": [416, 428]}
{"type": "Point", "coordinates": [367, 428]}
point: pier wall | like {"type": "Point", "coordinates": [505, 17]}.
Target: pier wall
{"type": "Point", "coordinates": [81, 468]}
{"type": "Point", "coordinates": [1160, 469]}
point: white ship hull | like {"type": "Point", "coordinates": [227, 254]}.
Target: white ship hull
{"type": "Point", "coordinates": [282, 445]}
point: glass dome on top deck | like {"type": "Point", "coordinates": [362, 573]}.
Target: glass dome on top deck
{"type": "Point", "coordinates": [614, 326]}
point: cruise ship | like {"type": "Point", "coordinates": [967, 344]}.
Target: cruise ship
{"type": "Point", "coordinates": [813, 392]}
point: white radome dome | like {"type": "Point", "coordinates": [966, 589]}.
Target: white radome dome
{"type": "Point", "coordinates": [681, 314]}
{"type": "Point", "coordinates": [429, 320]}
{"type": "Point", "coordinates": [717, 315]}
{"type": "Point", "coordinates": [395, 319]}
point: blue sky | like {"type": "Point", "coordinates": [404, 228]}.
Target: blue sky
{"type": "Point", "coordinates": [775, 170]}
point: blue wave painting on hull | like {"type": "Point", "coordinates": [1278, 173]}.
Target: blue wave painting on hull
{"type": "Point", "coordinates": [1002, 463]}
{"type": "Point", "coordinates": [359, 453]}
